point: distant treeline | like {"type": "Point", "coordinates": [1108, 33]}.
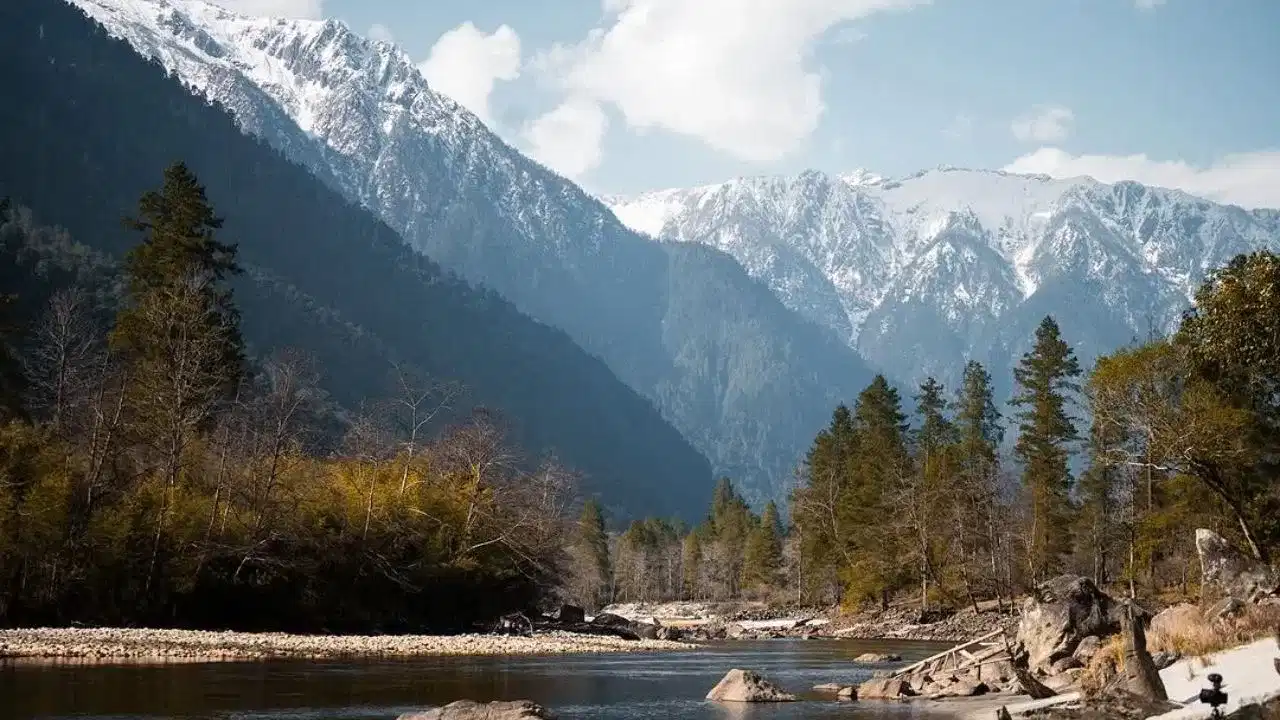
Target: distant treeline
{"type": "Point", "coordinates": [1171, 434]}
{"type": "Point", "coordinates": [152, 473]}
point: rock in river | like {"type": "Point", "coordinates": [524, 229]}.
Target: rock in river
{"type": "Point", "coordinates": [872, 658]}
{"type": "Point", "coordinates": [747, 686]}
{"type": "Point", "coordinates": [469, 710]}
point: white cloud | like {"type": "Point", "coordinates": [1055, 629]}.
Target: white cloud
{"type": "Point", "coordinates": [465, 63]}
{"type": "Point", "coordinates": [1148, 4]}
{"type": "Point", "coordinates": [1250, 179]}
{"type": "Point", "coordinates": [568, 139]}
{"type": "Point", "coordinates": [1044, 124]}
{"type": "Point", "coordinates": [378, 31]}
{"type": "Point", "coordinates": [312, 9]}
{"type": "Point", "coordinates": [736, 74]}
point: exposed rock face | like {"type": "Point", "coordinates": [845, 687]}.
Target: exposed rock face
{"type": "Point", "coordinates": [1230, 572]}
{"type": "Point", "coordinates": [468, 710]}
{"type": "Point", "coordinates": [747, 686]}
{"type": "Point", "coordinates": [1059, 615]}
{"type": "Point", "coordinates": [884, 689]}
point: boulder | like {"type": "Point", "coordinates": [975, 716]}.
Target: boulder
{"type": "Point", "coordinates": [1227, 607]}
{"type": "Point", "coordinates": [1174, 618]}
{"type": "Point", "coordinates": [571, 613]}
{"type": "Point", "coordinates": [874, 658]}
{"type": "Point", "coordinates": [1165, 658]}
{"type": "Point", "coordinates": [962, 688]}
{"type": "Point", "coordinates": [1087, 648]}
{"type": "Point", "coordinates": [667, 632]}
{"type": "Point", "coordinates": [1060, 614]}
{"type": "Point", "coordinates": [1227, 571]}
{"type": "Point", "coordinates": [828, 688]}
{"type": "Point", "coordinates": [640, 630]}
{"type": "Point", "coordinates": [1067, 663]}
{"type": "Point", "coordinates": [847, 693]}
{"type": "Point", "coordinates": [747, 686]}
{"type": "Point", "coordinates": [469, 710]}
{"type": "Point", "coordinates": [884, 689]}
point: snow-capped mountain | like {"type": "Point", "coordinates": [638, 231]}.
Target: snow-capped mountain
{"type": "Point", "coordinates": [748, 390]}
{"type": "Point", "coordinates": [922, 273]}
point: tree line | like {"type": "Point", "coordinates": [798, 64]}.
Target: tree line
{"type": "Point", "coordinates": [153, 470]}
{"type": "Point", "coordinates": [1108, 473]}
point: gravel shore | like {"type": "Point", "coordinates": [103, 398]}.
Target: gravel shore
{"type": "Point", "coordinates": [107, 644]}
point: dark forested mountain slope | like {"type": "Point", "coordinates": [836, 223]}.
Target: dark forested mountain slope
{"type": "Point", "coordinates": [86, 126]}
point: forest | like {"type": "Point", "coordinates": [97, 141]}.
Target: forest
{"type": "Point", "coordinates": [153, 472]}
{"type": "Point", "coordinates": [1111, 470]}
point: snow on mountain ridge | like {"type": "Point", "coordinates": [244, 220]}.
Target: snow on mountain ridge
{"type": "Point", "coordinates": [892, 248]}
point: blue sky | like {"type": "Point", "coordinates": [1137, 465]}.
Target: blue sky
{"type": "Point", "coordinates": [630, 95]}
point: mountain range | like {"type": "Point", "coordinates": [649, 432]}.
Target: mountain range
{"type": "Point", "coordinates": [922, 273]}
{"type": "Point", "coordinates": [743, 310]}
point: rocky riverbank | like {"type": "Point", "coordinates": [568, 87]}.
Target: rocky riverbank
{"type": "Point", "coordinates": [754, 620]}
{"type": "Point", "coordinates": [106, 644]}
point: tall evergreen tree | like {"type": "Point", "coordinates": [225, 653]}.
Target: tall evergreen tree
{"type": "Point", "coordinates": [1046, 379]}
{"type": "Point", "coordinates": [975, 513]}
{"type": "Point", "coordinates": [592, 551]}
{"type": "Point", "coordinates": [763, 558]}
{"type": "Point", "coordinates": [881, 465]}
{"type": "Point", "coordinates": [918, 504]}
{"type": "Point", "coordinates": [179, 247]}
{"type": "Point", "coordinates": [179, 331]}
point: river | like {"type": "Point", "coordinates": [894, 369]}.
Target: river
{"type": "Point", "coordinates": [667, 686]}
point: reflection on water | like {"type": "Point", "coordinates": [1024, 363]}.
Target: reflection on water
{"type": "Point", "coordinates": [670, 686]}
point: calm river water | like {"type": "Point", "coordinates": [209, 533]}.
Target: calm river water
{"type": "Point", "coordinates": [666, 686]}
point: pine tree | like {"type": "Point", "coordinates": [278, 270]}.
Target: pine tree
{"type": "Point", "coordinates": [763, 558]}
{"type": "Point", "coordinates": [880, 466]}
{"type": "Point", "coordinates": [179, 331]}
{"type": "Point", "coordinates": [975, 512]}
{"type": "Point", "coordinates": [1046, 384]}
{"type": "Point", "coordinates": [918, 502]}
{"type": "Point", "coordinates": [728, 527]}
{"type": "Point", "coordinates": [592, 550]}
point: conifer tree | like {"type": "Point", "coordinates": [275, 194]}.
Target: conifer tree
{"type": "Point", "coordinates": [975, 512]}
{"type": "Point", "coordinates": [592, 550]}
{"type": "Point", "coordinates": [881, 464]}
{"type": "Point", "coordinates": [764, 550]}
{"type": "Point", "coordinates": [1046, 379]}
{"type": "Point", "coordinates": [179, 330]}
{"type": "Point", "coordinates": [918, 505]}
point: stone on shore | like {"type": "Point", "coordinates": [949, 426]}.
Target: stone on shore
{"type": "Point", "coordinates": [828, 688]}
{"type": "Point", "coordinates": [747, 686]}
{"type": "Point", "coordinates": [1059, 615]}
{"type": "Point", "coordinates": [884, 689]}
{"type": "Point", "coordinates": [469, 710]}
{"type": "Point", "coordinates": [1227, 571]}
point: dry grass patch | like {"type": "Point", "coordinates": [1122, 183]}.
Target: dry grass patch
{"type": "Point", "coordinates": [1193, 636]}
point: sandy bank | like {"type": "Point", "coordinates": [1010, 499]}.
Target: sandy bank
{"type": "Point", "coordinates": [178, 645]}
